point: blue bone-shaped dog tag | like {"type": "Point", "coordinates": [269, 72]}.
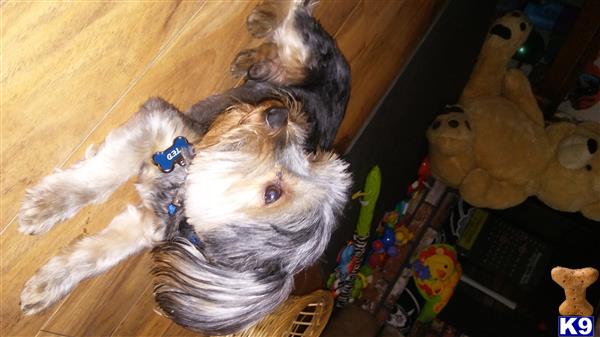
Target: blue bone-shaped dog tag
{"type": "Point", "coordinates": [167, 159]}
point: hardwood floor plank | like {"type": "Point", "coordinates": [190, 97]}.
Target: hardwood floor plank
{"type": "Point", "coordinates": [333, 13]}
{"type": "Point", "coordinates": [377, 40]}
{"type": "Point", "coordinates": [22, 255]}
{"type": "Point", "coordinates": [175, 330]}
{"type": "Point", "coordinates": [64, 66]}
{"type": "Point", "coordinates": [142, 320]}
{"type": "Point", "coordinates": [43, 333]}
{"type": "Point", "coordinates": [98, 305]}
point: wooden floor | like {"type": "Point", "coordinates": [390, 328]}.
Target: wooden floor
{"type": "Point", "coordinates": [71, 72]}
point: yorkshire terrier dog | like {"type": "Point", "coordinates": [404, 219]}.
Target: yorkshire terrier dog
{"type": "Point", "coordinates": [237, 193]}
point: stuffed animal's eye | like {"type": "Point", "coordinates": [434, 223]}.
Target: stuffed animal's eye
{"type": "Point", "coordinates": [523, 26]}
{"type": "Point", "coordinates": [272, 194]}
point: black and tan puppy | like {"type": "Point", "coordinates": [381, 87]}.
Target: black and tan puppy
{"type": "Point", "coordinates": [244, 198]}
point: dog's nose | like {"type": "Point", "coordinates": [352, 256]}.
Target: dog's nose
{"type": "Point", "coordinates": [277, 117]}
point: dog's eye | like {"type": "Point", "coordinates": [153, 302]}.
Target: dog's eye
{"type": "Point", "coordinates": [276, 117]}
{"type": "Point", "coordinates": [272, 194]}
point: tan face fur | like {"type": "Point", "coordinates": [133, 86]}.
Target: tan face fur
{"type": "Point", "coordinates": [243, 163]}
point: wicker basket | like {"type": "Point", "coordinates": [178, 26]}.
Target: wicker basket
{"type": "Point", "coordinates": [304, 316]}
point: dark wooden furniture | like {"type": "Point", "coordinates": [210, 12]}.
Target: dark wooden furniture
{"type": "Point", "coordinates": [582, 44]}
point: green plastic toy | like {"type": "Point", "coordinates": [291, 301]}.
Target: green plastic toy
{"type": "Point", "coordinates": [369, 200]}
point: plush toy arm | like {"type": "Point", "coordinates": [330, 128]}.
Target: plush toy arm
{"type": "Point", "coordinates": [481, 190]}
{"type": "Point", "coordinates": [592, 211]}
{"type": "Point", "coordinates": [516, 88]}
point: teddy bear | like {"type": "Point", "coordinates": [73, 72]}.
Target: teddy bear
{"type": "Point", "coordinates": [495, 147]}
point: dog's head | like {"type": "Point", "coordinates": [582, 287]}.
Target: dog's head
{"type": "Point", "coordinates": [263, 208]}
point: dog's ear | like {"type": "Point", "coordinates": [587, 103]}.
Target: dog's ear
{"type": "Point", "coordinates": [211, 297]}
{"type": "Point", "coordinates": [334, 177]}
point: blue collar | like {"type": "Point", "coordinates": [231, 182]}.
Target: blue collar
{"type": "Point", "coordinates": [166, 160]}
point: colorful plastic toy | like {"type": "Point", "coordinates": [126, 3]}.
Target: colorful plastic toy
{"type": "Point", "coordinates": [370, 195]}
{"type": "Point", "coordinates": [403, 235]}
{"type": "Point", "coordinates": [436, 272]}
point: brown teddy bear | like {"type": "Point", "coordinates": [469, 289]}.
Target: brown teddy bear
{"type": "Point", "coordinates": [494, 146]}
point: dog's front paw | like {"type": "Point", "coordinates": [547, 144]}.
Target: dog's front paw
{"type": "Point", "coordinates": [41, 291]}
{"type": "Point", "coordinates": [41, 210]}
{"type": "Point", "coordinates": [243, 62]}
{"type": "Point", "coordinates": [258, 64]}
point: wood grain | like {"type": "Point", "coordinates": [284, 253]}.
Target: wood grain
{"type": "Point", "coordinates": [64, 66]}
{"type": "Point", "coordinates": [72, 72]}
{"type": "Point", "coordinates": [43, 333]}
{"type": "Point", "coordinates": [142, 320]}
{"type": "Point", "coordinates": [378, 39]}
{"type": "Point", "coordinates": [91, 310]}
{"type": "Point", "coordinates": [23, 255]}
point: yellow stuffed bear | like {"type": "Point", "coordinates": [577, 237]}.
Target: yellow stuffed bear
{"type": "Point", "coordinates": [494, 146]}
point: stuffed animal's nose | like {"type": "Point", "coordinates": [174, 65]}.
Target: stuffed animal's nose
{"type": "Point", "coordinates": [592, 145]}
{"type": "Point", "coordinates": [453, 124]}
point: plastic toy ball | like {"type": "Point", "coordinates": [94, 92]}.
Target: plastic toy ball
{"type": "Point", "coordinates": [378, 246]}
{"type": "Point", "coordinates": [376, 260]}
{"type": "Point", "coordinates": [389, 238]}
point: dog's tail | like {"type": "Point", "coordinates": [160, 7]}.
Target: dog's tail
{"type": "Point", "coordinates": [205, 296]}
